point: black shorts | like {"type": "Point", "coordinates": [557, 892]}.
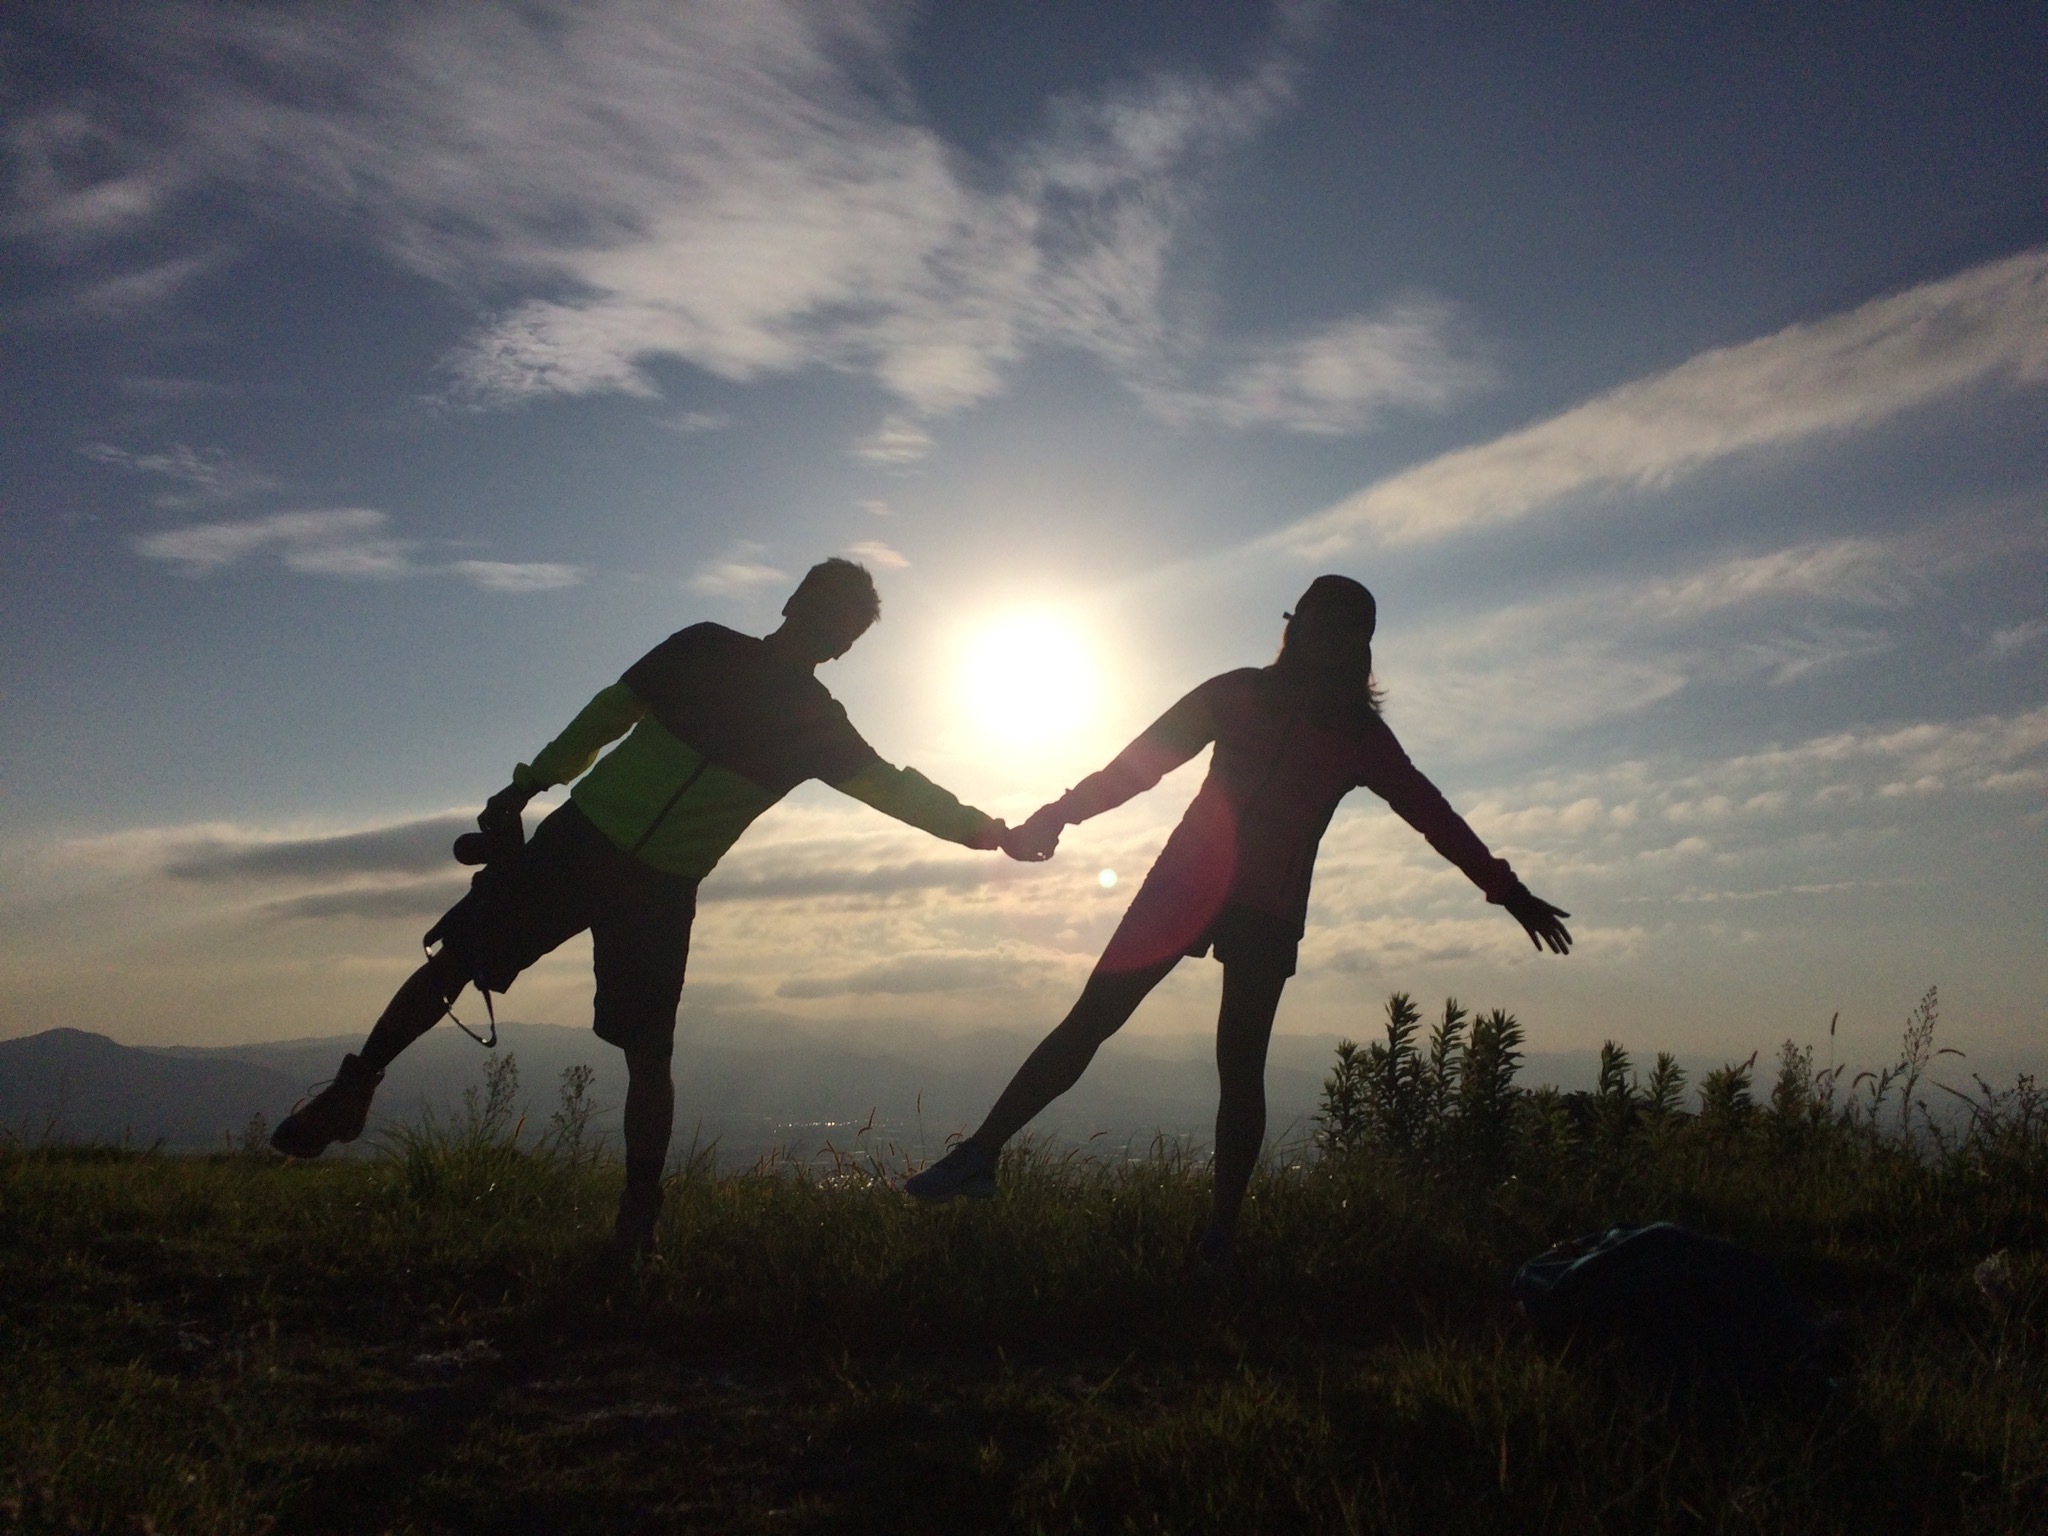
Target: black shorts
{"type": "Point", "coordinates": [1254, 940]}
{"type": "Point", "coordinates": [569, 878]}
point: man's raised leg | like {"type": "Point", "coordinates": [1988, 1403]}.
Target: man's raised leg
{"type": "Point", "coordinates": [338, 1111]}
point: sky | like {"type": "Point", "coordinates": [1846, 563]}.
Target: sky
{"type": "Point", "coordinates": [382, 380]}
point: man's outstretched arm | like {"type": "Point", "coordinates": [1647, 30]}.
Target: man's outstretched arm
{"type": "Point", "coordinates": [910, 797]}
{"type": "Point", "coordinates": [607, 717]}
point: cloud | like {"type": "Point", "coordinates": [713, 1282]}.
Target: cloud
{"type": "Point", "coordinates": [346, 543]}
{"type": "Point", "coordinates": [204, 477]}
{"type": "Point", "coordinates": [424, 898]}
{"type": "Point", "coordinates": [77, 179]}
{"type": "Point", "coordinates": [1770, 798]}
{"type": "Point", "coordinates": [142, 287]}
{"type": "Point", "coordinates": [2014, 638]}
{"type": "Point", "coordinates": [1841, 374]}
{"type": "Point", "coordinates": [896, 442]}
{"type": "Point", "coordinates": [739, 570]}
{"type": "Point", "coordinates": [342, 541]}
{"type": "Point", "coordinates": [509, 576]}
{"type": "Point", "coordinates": [172, 390]}
{"type": "Point", "coordinates": [690, 423]}
{"type": "Point", "coordinates": [1968, 753]}
{"type": "Point", "coordinates": [875, 552]}
{"type": "Point", "coordinates": [918, 973]}
{"type": "Point", "coordinates": [1873, 572]}
{"type": "Point", "coordinates": [754, 879]}
{"type": "Point", "coordinates": [408, 848]}
{"type": "Point", "coordinates": [1340, 380]}
{"type": "Point", "coordinates": [744, 185]}
{"type": "Point", "coordinates": [1605, 648]}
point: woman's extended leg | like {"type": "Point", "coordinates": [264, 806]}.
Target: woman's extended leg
{"type": "Point", "coordinates": [1109, 999]}
{"type": "Point", "coordinates": [1244, 1025]}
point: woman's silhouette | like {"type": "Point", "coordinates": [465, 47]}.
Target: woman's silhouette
{"type": "Point", "coordinates": [1291, 740]}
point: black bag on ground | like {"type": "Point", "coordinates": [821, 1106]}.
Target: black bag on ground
{"type": "Point", "coordinates": [1679, 1301]}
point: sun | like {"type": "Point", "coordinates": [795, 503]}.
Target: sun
{"type": "Point", "coordinates": [1030, 679]}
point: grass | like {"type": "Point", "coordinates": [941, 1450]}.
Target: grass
{"type": "Point", "coordinates": [429, 1340]}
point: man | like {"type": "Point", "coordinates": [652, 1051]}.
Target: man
{"type": "Point", "coordinates": [721, 726]}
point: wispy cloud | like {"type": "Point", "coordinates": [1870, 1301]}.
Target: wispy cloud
{"type": "Point", "coordinates": [516, 576]}
{"type": "Point", "coordinates": [740, 569]}
{"type": "Point", "coordinates": [897, 442]}
{"type": "Point", "coordinates": [202, 477]}
{"type": "Point", "coordinates": [815, 874]}
{"type": "Point", "coordinates": [691, 423]}
{"type": "Point", "coordinates": [142, 287]}
{"type": "Point", "coordinates": [1342, 379]}
{"type": "Point", "coordinates": [2014, 638]}
{"type": "Point", "coordinates": [340, 541]}
{"type": "Point", "coordinates": [875, 552]}
{"type": "Point", "coordinates": [407, 848]}
{"type": "Point", "coordinates": [1605, 648]}
{"type": "Point", "coordinates": [377, 903]}
{"type": "Point", "coordinates": [1841, 374]}
{"type": "Point", "coordinates": [742, 184]}
{"type": "Point", "coordinates": [78, 179]}
{"type": "Point", "coordinates": [346, 543]}
{"type": "Point", "coordinates": [172, 390]}
{"type": "Point", "coordinates": [917, 973]}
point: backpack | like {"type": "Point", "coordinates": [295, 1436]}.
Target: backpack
{"type": "Point", "coordinates": [1673, 1300]}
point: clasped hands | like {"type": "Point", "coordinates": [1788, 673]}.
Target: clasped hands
{"type": "Point", "coordinates": [1032, 840]}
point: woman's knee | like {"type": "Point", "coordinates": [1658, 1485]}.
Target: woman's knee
{"type": "Point", "coordinates": [1110, 998]}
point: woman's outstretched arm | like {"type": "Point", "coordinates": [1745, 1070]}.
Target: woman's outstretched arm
{"type": "Point", "coordinates": [1162, 747]}
{"type": "Point", "coordinates": [1388, 773]}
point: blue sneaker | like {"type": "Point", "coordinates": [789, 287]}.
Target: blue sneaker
{"type": "Point", "coordinates": [966, 1170]}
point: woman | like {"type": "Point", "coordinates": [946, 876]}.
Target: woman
{"type": "Point", "coordinates": [1291, 740]}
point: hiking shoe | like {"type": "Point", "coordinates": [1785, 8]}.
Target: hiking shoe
{"type": "Point", "coordinates": [336, 1113]}
{"type": "Point", "coordinates": [633, 1232]}
{"type": "Point", "coordinates": [966, 1170]}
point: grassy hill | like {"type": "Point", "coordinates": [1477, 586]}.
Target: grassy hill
{"type": "Point", "coordinates": [431, 1340]}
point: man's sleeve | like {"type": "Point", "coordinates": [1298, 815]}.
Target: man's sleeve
{"type": "Point", "coordinates": [1388, 773]}
{"type": "Point", "coordinates": [607, 717]}
{"type": "Point", "coordinates": [1165, 744]}
{"type": "Point", "coordinates": [910, 797]}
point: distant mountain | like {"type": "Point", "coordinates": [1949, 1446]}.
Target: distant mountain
{"type": "Point", "coordinates": [755, 1085]}
{"type": "Point", "coordinates": [774, 1087]}
{"type": "Point", "coordinates": [69, 1085]}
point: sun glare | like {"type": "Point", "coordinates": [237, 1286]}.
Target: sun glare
{"type": "Point", "coordinates": [1030, 679]}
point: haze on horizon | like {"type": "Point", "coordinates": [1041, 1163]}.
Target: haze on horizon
{"type": "Point", "coordinates": [384, 379]}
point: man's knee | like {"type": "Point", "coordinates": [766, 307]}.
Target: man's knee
{"type": "Point", "coordinates": [648, 1063]}
{"type": "Point", "coordinates": [449, 971]}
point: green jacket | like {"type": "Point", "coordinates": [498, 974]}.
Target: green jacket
{"type": "Point", "coordinates": [720, 731]}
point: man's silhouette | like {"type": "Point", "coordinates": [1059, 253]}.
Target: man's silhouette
{"type": "Point", "coordinates": [722, 725]}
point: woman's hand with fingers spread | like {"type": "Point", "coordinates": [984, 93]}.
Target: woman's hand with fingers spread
{"type": "Point", "coordinates": [1541, 920]}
